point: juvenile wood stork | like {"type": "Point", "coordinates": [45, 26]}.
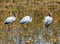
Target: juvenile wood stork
{"type": "Point", "coordinates": [10, 19]}
{"type": "Point", "coordinates": [25, 20]}
{"type": "Point", "coordinates": [48, 20]}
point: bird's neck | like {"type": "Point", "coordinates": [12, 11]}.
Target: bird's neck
{"type": "Point", "coordinates": [49, 16]}
{"type": "Point", "coordinates": [14, 15]}
{"type": "Point", "coordinates": [30, 16]}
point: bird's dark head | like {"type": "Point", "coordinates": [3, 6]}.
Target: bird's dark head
{"type": "Point", "coordinates": [49, 14]}
{"type": "Point", "coordinates": [14, 14]}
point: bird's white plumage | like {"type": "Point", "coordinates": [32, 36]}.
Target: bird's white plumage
{"type": "Point", "coordinates": [48, 20]}
{"type": "Point", "coordinates": [10, 19]}
{"type": "Point", "coordinates": [26, 19]}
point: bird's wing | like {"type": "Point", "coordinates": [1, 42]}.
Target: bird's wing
{"type": "Point", "coordinates": [45, 19]}
{"type": "Point", "coordinates": [25, 19]}
{"type": "Point", "coordinates": [48, 20]}
{"type": "Point", "coordinates": [10, 19]}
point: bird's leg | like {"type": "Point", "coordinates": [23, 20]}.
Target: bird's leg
{"type": "Point", "coordinates": [11, 26]}
{"type": "Point", "coordinates": [43, 30]}
{"type": "Point", "coordinates": [25, 26]}
{"type": "Point", "coordinates": [8, 27]}
{"type": "Point", "coordinates": [22, 27]}
{"type": "Point", "coordinates": [49, 27]}
{"type": "Point", "coordinates": [46, 29]}
{"type": "Point", "coordinates": [29, 25]}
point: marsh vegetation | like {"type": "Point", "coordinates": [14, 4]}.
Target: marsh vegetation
{"type": "Point", "coordinates": [33, 34]}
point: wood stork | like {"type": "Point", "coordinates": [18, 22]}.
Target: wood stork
{"type": "Point", "coordinates": [10, 19]}
{"type": "Point", "coordinates": [25, 20]}
{"type": "Point", "coordinates": [48, 20]}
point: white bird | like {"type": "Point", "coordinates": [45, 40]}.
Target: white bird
{"type": "Point", "coordinates": [26, 19]}
{"type": "Point", "coordinates": [10, 19]}
{"type": "Point", "coordinates": [48, 20]}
